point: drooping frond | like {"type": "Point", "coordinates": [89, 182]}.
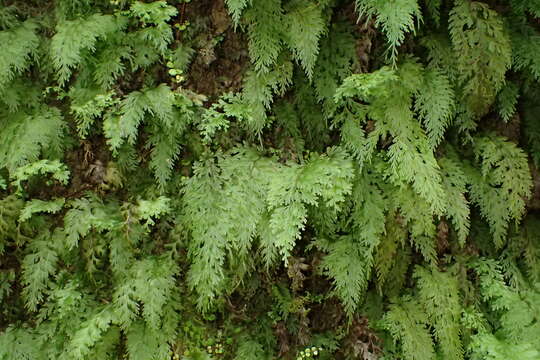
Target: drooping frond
{"type": "Point", "coordinates": [455, 185]}
{"type": "Point", "coordinates": [38, 265]}
{"type": "Point", "coordinates": [305, 25]}
{"type": "Point", "coordinates": [396, 18]}
{"type": "Point", "coordinates": [36, 206]}
{"type": "Point", "coordinates": [24, 137]}
{"type": "Point", "coordinates": [479, 36]}
{"type": "Point", "coordinates": [18, 46]}
{"type": "Point", "coordinates": [439, 294]}
{"type": "Point", "coordinates": [502, 185]}
{"type": "Point", "coordinates": [74, 37]}
{"type": "Point", "coordinates": [265, 25]}
{"type": "Point", "coordinates": [406, 321]}
{"type": "Point", "coordinates": [435, 105]}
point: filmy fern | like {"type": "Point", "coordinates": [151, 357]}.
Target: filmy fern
{"type": "Point", "coordinates": [396, 18]}
{"type": "Point", "coordinates": [269, 179]}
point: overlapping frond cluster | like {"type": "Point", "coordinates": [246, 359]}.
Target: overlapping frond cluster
{"type": "Point", "coordinates": [264, 179]}
{"type": "Point", "coordinates": [243, 197]}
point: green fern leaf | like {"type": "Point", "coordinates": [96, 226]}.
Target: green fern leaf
{"type": "Point", "coordinates": [73, 37]}
{"type": "Point", "coordinates": [144, 343]}
{"type": "Point", "coordinates": [157, 102]}
{"type": "Point", "coordinates": [249, 349]}
{"type": "Point", "coordinates": [336, 58]}
{"type": "Point", "coordinates": [10, 208]}
{"type": "Point", "coordinates": [38, 266]}
{"type": "Point", "coordinates": [478, 35]}
{"type": "Point", "coordinates": [58, 170]}
{"type": "Point", "coordinates": [236, 7]}
{"type": "Point", "coordinates": [25, 136]}
{"type": "Point", "coordinates": [91, 331]}
{"type": "Point", "coordinates": [420, 221]}
{"type": "Point", "coordinates": [305, 26]}
{"type": "Point", "coordinates": [439, 294]}
{"type": "Point", "coordinates": [395, 18]}
{"type": "Point", "coordinates": [264, 20]}
{"type": "Point", "coordinates": [165, 146]}
{"type": "Point", "coordinates": [455, 184]}
{"type": "Point", "coordinates": [435, 105]}
{"type": "Point", "coordinates": [346, 265]}
{"type": "Point", "coordinates": [87, 105]}
{"type": "Point", "coordinates": [19, 45]}
{"type": "Point", "coordinates": [507, 100]}
{"type": "Point", "coordinates": [504, 184]}
{"type": "Point", "coordinates": [525, 44]}
{"type": "Point", "coordinates": [406, 322]}
{"type": "Point", "coordinates": [434, 9]}
{"type": "Point", "coordinates": [36, 206]}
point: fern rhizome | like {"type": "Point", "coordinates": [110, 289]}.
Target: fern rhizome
{"type": "Point", "coordinates": [269, 179]}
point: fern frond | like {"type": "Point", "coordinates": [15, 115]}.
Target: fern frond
{"type": "Point", "coordinates": [57, 170]}
{"type": "Point", "coordinates": [87, 105]}
{"type": "Point", "coordinates": [286, 223]}
{"type": "Point", "coordinates": [419, 220]}
{"type": "Point", "coordinates": [479, 36]}
{"type": "Point", "coordinates": [504, 185]}
{"type": "Point", "coordinates": [206, 273]}
{"type": "Point", "coordinates": [18, 343]}
{"type": "Point", "coordinates": [531, 7]}
{"type": "Point", "coordinates": [19, 45]}
{"type": "Point", "coordinates": [434, 10]}
{"type": "Point", "coordinates": [158, 275]}
{"type": "Point", "coordinates": [153, 273]}
{"type": "Point", "coordinates": [336, 58]}
{"type": "Point", "coordinates": [236, 7]}
{"type": "Point", "coordinates": [406, 322]}
{"type": "Point", "coordinates": [214, 120]}
{"type": "Point", "coordinates": [91, 331]}
{"type": "Point", "coordinates": [439, 294]}
{"type": "Point", "coordinates": [25, 136]}
{"type": "Point", "coordinates": [229, 199]}
{"type": "Point", "coordinates": [264, 21]}
{"type": "Point", "coordinates": [152, 42]}
{"type": "Point", "coordinates": [165, 150]}
{"type": "Point", "coordinates": [249, 349]}
{"type": "Point", "coordinates": [455, 185]}
{"type": "Point", "coordinates": [74, 37]}
{"type": "Point", "coordinates": [157, 102]}
{"type": "Point", "coordinates": [389, 254]}
{"type": "Point", "coordinates": [507, 100]}
{"type": "Point", "coordinates": [389, 96]}
{"type": "Point", "coordinates": [324, 177]}
{"type": "Point", "coordinates": [529, 248]}
{"type": "Point", "coordinates": [258, 93]}
{"type": "Point", "coordinates": [88, 213]}
{"type": "Point", "coordinates": [346, 265]}
{"type": "Point", "coordinates": [488, 346]}
{"type": "Point", "coordinates": [525, 44]}
{"type": "Point", "coordinates": [305, 26]}
{"type": "Point", "coordinates": [395, 18]}
{"type": "Point", "coordinates": [435, 105]}
{"type": "Point", "coordinates": [38, 266]}
{"type": "Point", "coordinates": [517, 310]}
{"type": "Point", "coordinates": [110, 63]}
{"type": "Point", "coordinates": [36, 206]}
{"type": "Point", "coordinates": [8, 17]}
{"type": "Point", "coordinates": [10, 208]}
{"type": "Point", "coordinates": [153, 13]}
{"type": "Point", "coordinates": [148, 209]}
{"type": "Point", "coordinates": [145, 343]}
{"type": "Point", "coordinates": [366, 86]}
